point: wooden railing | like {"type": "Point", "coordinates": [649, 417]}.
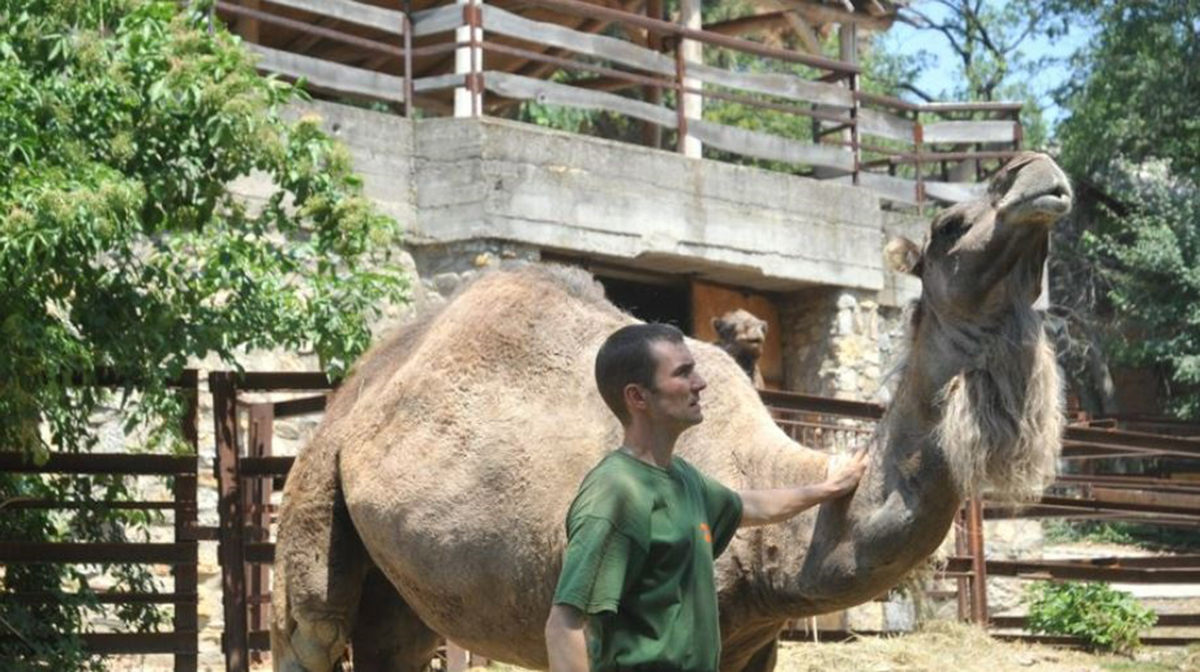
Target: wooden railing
{"type": "Point", "coordinates": [475, 59]}
{"type": "Point", "coordinates": [181, 554]}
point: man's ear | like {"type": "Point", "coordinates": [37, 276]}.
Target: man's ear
{"type": "Point", "coordinates": [635, 396]}
{"type": "Point", "coordinates": [903, 256]}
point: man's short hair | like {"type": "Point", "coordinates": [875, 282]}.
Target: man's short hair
{"type": "Point", "coordinates": [626, 358]}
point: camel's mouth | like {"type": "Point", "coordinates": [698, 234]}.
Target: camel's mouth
{"type": "Point", "coordinates": [1053, 201]}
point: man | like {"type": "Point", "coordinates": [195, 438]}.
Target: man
{"type": "Point", "coordinates": [637, 588]}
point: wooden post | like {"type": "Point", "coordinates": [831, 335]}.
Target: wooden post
{"type": "Point", "coordinates": [229, 507]}
{"type": "Point", "coordinates": [652, 133]}
{"type": "Point", "coordinates": [979, 609]}
{"type": "Point", "coordinates": [457, 658]}
{"type": "Point", "coordinates": [256, 501]}
{"type": "Point", "coordinates": [848, 53]}
{"type": "Point", "coordinates": [187, 615]}
{"type": "Point", "coordinates": [246, 26]}
{"type": "Point", "coordinates": [468, 61]}
{"type": "Point", "coordinates": [691, 104]}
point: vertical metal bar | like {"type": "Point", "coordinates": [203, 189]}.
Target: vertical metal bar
{"type": "Point", "coordinates": [229, 507]}
{"type": "Point", "coordinates": [918, 147]}
{"type": "Point", "coordinates": [854, 144]}
{"type": "Point", "coordinates": [187, 615]}
{"type": "Point", "coordinates": [979, 608]}
{"type": "Point", "coordinates": [406, 23]}
{"type": "Point", "coordinates": [961, 546]}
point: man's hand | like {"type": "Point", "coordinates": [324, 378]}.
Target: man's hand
{"type": "Point", "coordinates": [845, 471]}
{"type": "Point", "coordinates": [761, 507]}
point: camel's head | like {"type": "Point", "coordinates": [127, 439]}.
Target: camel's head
{"type": "Point", "coordinates": [983, 254]}
{"type": "Point", "coordinates": [740, 331]}
{"type": "Point", "coordinates": [989, 364]}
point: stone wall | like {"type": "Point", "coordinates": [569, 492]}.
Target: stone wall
{"type": "Point", "coordinates": [840, 343]}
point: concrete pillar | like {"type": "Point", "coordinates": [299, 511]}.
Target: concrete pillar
{"type": "Point", "coordinates": [467, 103]}
{"type": "Point", "coordinates": [693, 104]}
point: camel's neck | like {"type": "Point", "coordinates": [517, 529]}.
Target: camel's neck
{"type": "Point", "coordinates": [906, 502]}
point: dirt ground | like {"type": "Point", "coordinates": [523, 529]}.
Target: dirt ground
{"type": "Point", "coordinates": [939, 646]}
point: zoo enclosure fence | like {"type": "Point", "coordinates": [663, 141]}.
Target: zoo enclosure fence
{"type": "Point", "coordinates": [181, 554]}
{"type": "Point", "coordinates": [807, 114]}
{"type": "Point", "coordinates": [247, 475]}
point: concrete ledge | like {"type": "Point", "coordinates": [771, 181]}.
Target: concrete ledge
{"type": "Point", "coordinates": [649, 208]}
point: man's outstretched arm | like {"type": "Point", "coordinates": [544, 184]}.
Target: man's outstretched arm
{"type": "Point", "coordinates": [566, 642]}
{"type": "Point", "coordinates": [763, 507]}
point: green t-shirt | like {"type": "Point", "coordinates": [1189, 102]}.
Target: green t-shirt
{"type": "Point", "coordinates": [641, 541]}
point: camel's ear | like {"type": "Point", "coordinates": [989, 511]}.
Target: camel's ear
{"type": "Point", "coordinates": [903, 256]}
{"type": "Point", "coordinates": [721, 327]}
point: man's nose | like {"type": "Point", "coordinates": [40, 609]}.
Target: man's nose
{"type": "Point", "coordinates": [699, 383]}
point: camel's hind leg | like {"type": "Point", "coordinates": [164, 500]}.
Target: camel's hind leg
{"type": "Point", "coordinates": [320, 566]}
{"type": "Point", "coordinates": [388, 635]}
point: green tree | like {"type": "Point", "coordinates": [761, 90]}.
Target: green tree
{"type": "Point", "coordinates": [1135, 88]}
{"type": "Point", "coordinates": [988, 39]}
{"type": "Point", "coordinates": [1124, 277]}
{"type": "Point", "coordinates": [121, 250]}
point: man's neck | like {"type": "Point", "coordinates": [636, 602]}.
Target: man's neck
{"type": "Point", "coordinates": [652, 445]}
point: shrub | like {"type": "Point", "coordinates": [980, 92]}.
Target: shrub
{"type": "Point", "coordinates": [1105, 618]}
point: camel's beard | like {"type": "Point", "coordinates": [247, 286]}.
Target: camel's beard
{"type": "Point", "coordinates": [1002, 422]}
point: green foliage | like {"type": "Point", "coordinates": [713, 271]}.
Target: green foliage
{"type": "Point", "coordinates": [1063, 531]}
{"type": "Point", "coordinates": [1132, 131]}
{"type": "Point", "coordinates": [122, 122]}
{"type": "Point", "coordinates": [120, 246]}
{"type": "Point", "coordinates": [1106, 619]}
{"type": "Point", "coordinates": [1150, 256]}
{"type": "Point", "coordinates": [1150, 537]}
{"type": "Point", "coordinates": [1136, 87]}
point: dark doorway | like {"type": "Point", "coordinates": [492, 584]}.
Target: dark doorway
{"type": "Point", "coordinates": [666, 302]}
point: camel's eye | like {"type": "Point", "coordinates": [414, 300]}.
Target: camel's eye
{"type": "Point", "coordinates": [950, 228]}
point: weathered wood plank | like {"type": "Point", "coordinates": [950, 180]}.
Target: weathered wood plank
{"type": "Point", "coordinates": [970, 131]}
{"type": "Point", "coordinates": [497, 20]}
{"type": "Point", "coordinates": [552, 93]}
{"type": "Point", "coordinates": [884, 125]}
{"type": "Point", "coordinates": [437, 20]}
{"type": "Point", "coordinates": [775, 84]}
{"type": "Point", "coordinates": [351, 12]}
{"type": "Point", "coordinates": [438, 82]}
{"type": "Point", "coordinates": [892, 188]}
{"type": "Point", "coordinates": [770, 147]}
{"type": "Point", "coordinates": [954, 192]}
{"type": "Point", "coordinates": [328, 75]}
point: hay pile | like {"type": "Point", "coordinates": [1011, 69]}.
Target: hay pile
{"type": "Point", "coordinates": [957, 647]}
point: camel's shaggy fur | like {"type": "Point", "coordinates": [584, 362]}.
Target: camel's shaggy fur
{"type": "Point", "coordinates": [1002, 422]}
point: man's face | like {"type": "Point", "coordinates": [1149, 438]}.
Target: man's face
{"type": "Point", "coordinates": [675, 401]}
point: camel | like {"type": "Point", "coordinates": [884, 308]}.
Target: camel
{"type": "Point", "coordinates": [741, 335]}
{"type": "Point", "coordinates": [431, 501]}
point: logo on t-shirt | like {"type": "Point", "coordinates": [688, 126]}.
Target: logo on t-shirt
{"type": "Point", "coordinates": [707, 532]}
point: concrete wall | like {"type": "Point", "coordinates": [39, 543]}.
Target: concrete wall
{"type": "Point", "coordinates": [646, 208]}
{"type": "Point", "coordinates": [453, 180]}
